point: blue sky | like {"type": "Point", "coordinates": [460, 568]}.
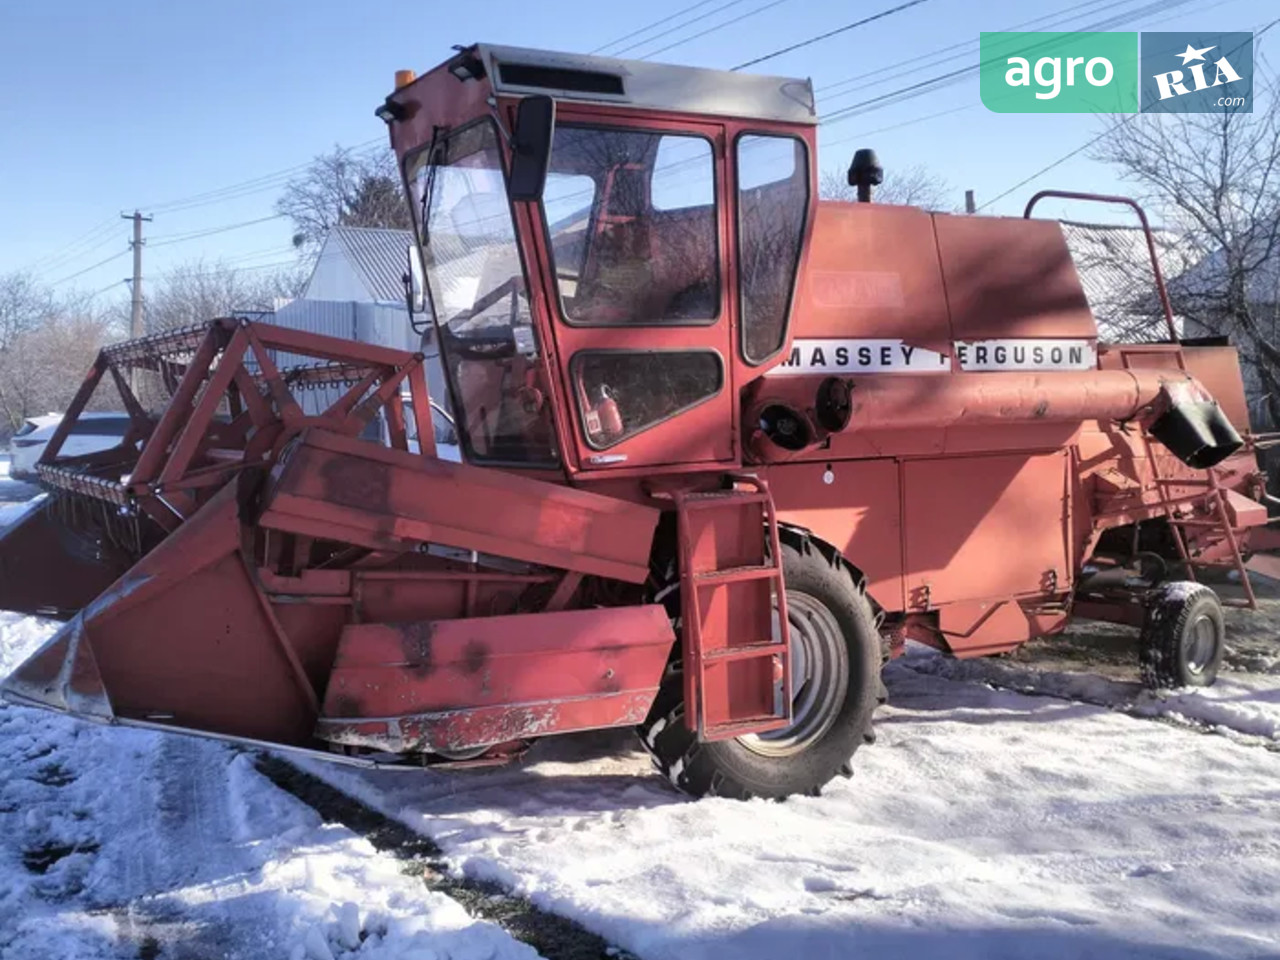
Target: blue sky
{"type": "Point", "coordinates": [151, 103]}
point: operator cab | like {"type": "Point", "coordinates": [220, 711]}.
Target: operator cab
{"type": "Point", "coordinates": [610, 250]}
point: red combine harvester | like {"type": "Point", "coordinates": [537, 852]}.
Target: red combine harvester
{"type": "Point", "coordinates": [722, 444]}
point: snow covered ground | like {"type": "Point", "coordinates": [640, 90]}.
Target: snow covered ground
{"type": "Point", "coordinates": [984, 823]}
{"type": "Point", "coordinates": [119, 843]}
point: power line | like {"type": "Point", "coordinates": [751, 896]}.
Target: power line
{"type": "Point", "coordinates": [97, 293]}
{"type": "Point", "coordinates": [658, 23]}
{"type": "Point", "coordinates": [964, 46]}
{"type": "Point", "coordinates": [832, 33]}
{"type": "Point", "coordinates": [71, 256]}
{"type": "Point", "coordinates": [862, 134]}
{"type": "Point", "coordinates": [91, 239]}
{"type": "Point", "coordinates": [166, 240]}
{"type": "Point", "coordinates": [1060, 161]}
{"type": "Point", "coordinates": [911, 91]}
{"type": "Point", "coordinates": [266, 181]}
{"type": "Point", "coordinates": [719, 26]}
{"type": "Point", "coordinates": [80, 273]}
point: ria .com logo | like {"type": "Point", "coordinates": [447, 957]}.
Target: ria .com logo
{"type": "Point", "coordinates": [1104, 72]}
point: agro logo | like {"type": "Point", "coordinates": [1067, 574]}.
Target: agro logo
{"type": "Point", "coordinates": [1197, 72]}
{"type": "Point", "coordinates": [1090, 72]}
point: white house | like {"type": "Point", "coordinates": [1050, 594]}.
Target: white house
{"type": "Point", "coordinates": [364, 264]}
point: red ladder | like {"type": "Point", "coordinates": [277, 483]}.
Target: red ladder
{"type": "Point", "coordinates": [1216, 501]}
{"type": "Point", "coordinates": [737, 664]}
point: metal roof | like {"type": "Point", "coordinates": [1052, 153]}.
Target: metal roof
{"type": "Point", "coordinates": [642, 84]}
{"type": "Point", "coordinates": [379, 256]}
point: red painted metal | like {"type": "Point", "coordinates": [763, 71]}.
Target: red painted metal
{"type": "Point", "coordinates": [336, 486]}
{"type": "Point", "coordinates": [737, 663]}
{"type": "Point", "coordinates": [1010, 278]}
{"type": "Point", "coordinates": [962, 548]}
{"type": "Point", "coordinates": [450, 685]}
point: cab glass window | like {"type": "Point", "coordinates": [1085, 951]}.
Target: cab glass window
{"type": "Point", "coordinates": [621, 393]}
{"type": "Point", "coordinates": [476, 284]}
{"type": "Point", "coordinates": [773, 200]}
{"type": "Point", "coordinates": [631, 219]}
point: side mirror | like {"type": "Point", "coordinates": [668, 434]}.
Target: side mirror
{"type": "Point", "coordinates": [414, 283]}
{"type": "Point", "coordinates": [415, 293]}
{"type": "Point", "coordinates": [531, 147]}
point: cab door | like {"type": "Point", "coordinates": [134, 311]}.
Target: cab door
{"type": "Point", "coordinates": [633, 247]}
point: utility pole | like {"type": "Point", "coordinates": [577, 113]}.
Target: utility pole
{"type": "Point", "coordinates": [135, 317]}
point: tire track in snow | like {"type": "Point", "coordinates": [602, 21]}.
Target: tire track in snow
{"type": "Point", "coordinates": [554, 937]}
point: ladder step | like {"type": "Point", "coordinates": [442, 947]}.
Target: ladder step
{"type": "Point", "coordinates": [738, 728]}
{"type": "Point", "coordinates": [1214, 524]}
{"type": "Point", "coordinates": [1172, 482]}
{"type": "Point", "coordinates": [743, 651]}
{"type": "Point", "coordinates": [1237, 602]}
{"type": "Point", "coordinates": [737, 574]}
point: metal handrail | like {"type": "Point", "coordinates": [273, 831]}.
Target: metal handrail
{"type": "Point", "coordinates": [1146, 229]}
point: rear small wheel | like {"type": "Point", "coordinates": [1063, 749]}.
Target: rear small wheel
{"type": "Point", "coordinates": [1183, 637]}
{"type": "Point", "coordinates": [835, 662]}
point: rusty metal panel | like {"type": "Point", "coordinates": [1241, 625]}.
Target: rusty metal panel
{"type": "Point", "coordinates": [985, 527]}
{"type": "Point", "coordinates": [858, 512]}
{"type": "Point", "coordinates": [472, 682]}
{"type": "Point", "coordinates": [393, 599]}
{"type": "Point", "coordinates": [463, 730]}
{"type": "Point", "coordinates": [380, 497]}
{"type": "Point", "coordinates": [981, 628]}
{"type": "Point", "coordinates": [872, 271]}
{"type": "Point", "coordinates": [185, 638]}
{"type": "Point", "coordinates": [1011, 278]}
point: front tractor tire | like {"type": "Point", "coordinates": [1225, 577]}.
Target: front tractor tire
{"type": "Point", "coordinates": [836, 688]}
{"type": "Point", "coordinates": [1183, 637]}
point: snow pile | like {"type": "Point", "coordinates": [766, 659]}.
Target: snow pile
{"type": "Point", "coordinates": [20, 637]}
{"type": "Point", "coordinates": [1238, 703]}
{"type": "Point", "coordinates": [115, 842]}
{"type": "Point", "coordinates": [984, 823]}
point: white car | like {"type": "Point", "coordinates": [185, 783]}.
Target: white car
{"type": "Point", "coordinates": [92, 432]}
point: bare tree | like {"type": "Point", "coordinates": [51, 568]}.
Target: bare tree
{"type": "Point", "coordinates": [914, 186]}
{"type": "Point", "coordinates": [344, 188]}
{"type": "Point", "coordinates": [46, 345]}
{"type": "Point", "coordinates": [43, 366]}
{"type": "Point", "coordinates": [1215, 180]}
{"type": "Point", "coordinates": [197, 291]}
{"type": "Point", "coordinates": [24, 304]}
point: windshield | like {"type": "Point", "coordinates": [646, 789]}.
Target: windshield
{"type": "Point", "coordinates": [477, 292]}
